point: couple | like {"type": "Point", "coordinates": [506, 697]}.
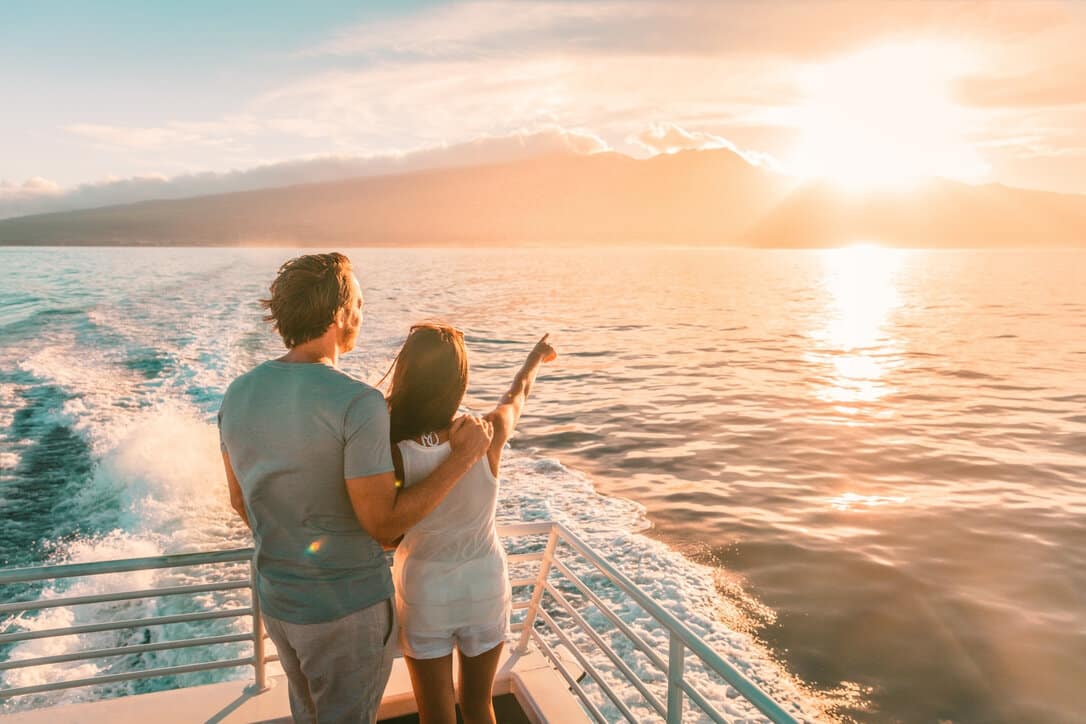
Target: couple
{"type": "Point", "coordinates": [327, 472]}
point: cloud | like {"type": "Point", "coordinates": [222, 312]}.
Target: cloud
{"type": "Point", "coordinates": [427, 102]}
{"type": "Point", "coordinates": [482, 26]}
{"type": "Point", "coordinates": [36, 186]}
{"type": "Point", "coordinates": [176, 133]}
{"type": "Point", "coordinates": [130, 137]}
{"type": "Point", "coordinates": [671, 138]}
{"type": "Point", "coordinates": [798, 30]}
{"type": "Point", "coordinates": [16, 198]}
{"type": "Point", "coordinates": [471, 68]}
{"type": "Point", "coordinates": [41, 196]}
{"type": "Point", "coordinates": [1043, 88]}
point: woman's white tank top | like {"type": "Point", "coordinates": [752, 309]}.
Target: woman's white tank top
{"type": "Point", "coordinates": [449, 570]}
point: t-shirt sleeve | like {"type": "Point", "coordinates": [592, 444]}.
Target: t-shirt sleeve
{"type": "Point", "coordinates": [222, 442]}
{"type": "Point", "coordinates": [366, 449]}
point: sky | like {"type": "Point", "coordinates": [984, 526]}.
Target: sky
{"type": "Point", "coordinates": [105, 102]}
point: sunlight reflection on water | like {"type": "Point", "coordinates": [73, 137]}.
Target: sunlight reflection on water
{"type": "Point", "coordinates": [853, 501]}
{"type": "Point", "coordinates": [854, 344]}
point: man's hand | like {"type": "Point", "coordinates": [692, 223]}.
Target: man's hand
{"type": "Point", "coordinates": [386, 512]}
{"type": "Point", "coordinates": [470, 436]}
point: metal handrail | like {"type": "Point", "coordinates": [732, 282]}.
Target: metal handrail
{"type": "Point", "coordinates": [615, 658]}
{"type": "Point", "coordinates": [574, 684]}
{"type": "Point", "coordinates": [681, 638]}
{"type": "Point", "coordinates": [120, 625]}
{"type": "Point", "coordinates": [125, 650]}
{"type": "Point", "coordinates": [126, 565]}
{"type": "Point", "coordinates": [128, 676]}
{"type": "Point", "coordinates": [44, 603]}
{"type": "Point", "coordinates": [587, 665]}
{"type": "Point", "coordinates": [54, 572]}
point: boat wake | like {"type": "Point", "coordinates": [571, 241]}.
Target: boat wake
{"type": "Point", "coordinates": [111, 452]}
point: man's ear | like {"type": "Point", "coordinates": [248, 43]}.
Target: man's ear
{"type": "Point", "coordinates": [341, 318]}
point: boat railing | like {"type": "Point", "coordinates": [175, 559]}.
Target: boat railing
{"type": "Point", "coordinates": [558, 558]}
{"type": "Point", "coordinates": [560, 540]}
{"type": "Point", "coordinates": [40, 574]}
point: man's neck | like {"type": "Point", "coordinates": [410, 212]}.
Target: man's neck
{"type": "Point", "coordinates": [316, 351]}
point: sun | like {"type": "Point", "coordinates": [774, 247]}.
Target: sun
{"type": "Point", "coordinates": [885, 117]}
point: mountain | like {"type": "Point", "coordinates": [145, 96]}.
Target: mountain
{"type": "Point", "coordinates": [693, 197]}
{"type": "Point", "coordinates": [938, 213]}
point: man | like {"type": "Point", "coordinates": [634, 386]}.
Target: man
{"type": "Point", "coordinates": [308, 462]}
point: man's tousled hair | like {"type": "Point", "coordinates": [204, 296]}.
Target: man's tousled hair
{"type": "Point", "coordinates": [306, 295]}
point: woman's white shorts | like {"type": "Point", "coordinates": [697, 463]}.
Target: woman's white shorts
{"type": "Point", "coordinates": [471, 640]}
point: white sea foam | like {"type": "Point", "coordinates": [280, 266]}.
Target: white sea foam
{"type": "Point", "coordinates": [9, 403]}
{"type": "Point", "coordinates": [9, 449]}
{"type": "Point", "coordinates": [166, 462]}
{"type": "Point", "coordinates": [99, 388]}
{"type": "Point", "coordinates": [163, 466]}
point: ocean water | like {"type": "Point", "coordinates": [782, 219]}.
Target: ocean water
{"type": "Point", "coordinates": [859, 473]}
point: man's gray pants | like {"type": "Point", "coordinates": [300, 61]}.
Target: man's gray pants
{"type": "Point", "coordinates": [337, 670]}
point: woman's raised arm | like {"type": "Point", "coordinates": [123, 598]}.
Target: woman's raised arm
{"type": "Point", "coordinates": [505, 416]}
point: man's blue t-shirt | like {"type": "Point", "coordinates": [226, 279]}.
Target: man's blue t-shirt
{"type": "Point", "coordinates": [295, 432]}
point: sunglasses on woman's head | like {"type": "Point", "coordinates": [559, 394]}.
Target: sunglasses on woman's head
{"type": "Point", "coordinates": [444, 330]}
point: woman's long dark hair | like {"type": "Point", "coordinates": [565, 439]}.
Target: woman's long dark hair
{"type": "Point", "coordinates": [429, 378]}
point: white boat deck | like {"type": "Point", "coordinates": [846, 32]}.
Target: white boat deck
{"type": "Point", "coordinates": [541, 692]}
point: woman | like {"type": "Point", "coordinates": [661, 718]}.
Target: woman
{"type": "Point", "coordinates": [452, 587]}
